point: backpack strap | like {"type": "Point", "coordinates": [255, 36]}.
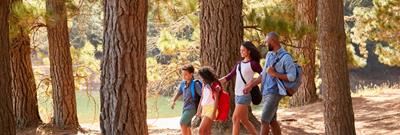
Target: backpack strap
{"type": "Point", "coordinates": [280, 56]}
{"type": "Point", "coordinates": [240, 72]}
{"type": "Point", "coordinates": [182, 86]}
{"type": "Point", "coordinates": [193, 87]}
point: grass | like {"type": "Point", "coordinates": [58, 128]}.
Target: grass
{"type": "Point", "coordinates": [372, 90]}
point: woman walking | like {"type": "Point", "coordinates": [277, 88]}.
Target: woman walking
{"type": "Point", "coordinates": [244, 72]}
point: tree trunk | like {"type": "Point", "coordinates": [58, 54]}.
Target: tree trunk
{"type": "Point", "coordinates": [62, 79]}
{"type": "Point", "coordinates": [306, 15]}
{"type": "Point", "coordinates": [338, 112]}
{"type": "Point", "coordinates": [221, 26]}
{"type": "Point", "coordinates": [123, 75]}
{"type": "Point", "coordinates": [7, 123]}
{"type": "Point", "coordinates": [23, 81]}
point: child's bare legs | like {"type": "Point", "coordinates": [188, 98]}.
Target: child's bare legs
{"type": "Point", "coordinates": [185, 130]}
{"type": "Point", "coordinates": [205, 126]}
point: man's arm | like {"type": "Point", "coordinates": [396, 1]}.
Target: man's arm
{"type": "Point", "coordinates": [273, 73]}
{"type": "Point", "coordinates": [290, 70]}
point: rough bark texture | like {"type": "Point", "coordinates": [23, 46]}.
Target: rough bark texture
{"type": "Point", "coordinates": [7, 123]}
{"type": "Point", "coordinates": [221, 26]}
{"type": "Point", "coordinates": [23, 81]}
{"type": "Point", "coordinates": [123, 75]}
{"type": "Point", "coordinates": [338, 114]}
{"type": "Point", "coordinates": [306, 15]}
{"type": "Point", "coordinates": [62, 79]}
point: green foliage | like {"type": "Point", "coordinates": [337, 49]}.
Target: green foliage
{"type": "Point", "coordinates": [386, 14]}
{"type": "Point", "coordinates": [87, 25]}
{"type": "Point", "coordinates": [349, 5]}
{"type": "Point", "coordinates": [388, 55]}
{"type": "Point", "coordinates": [86, 40]}
{"type": "Point", "coordinates": [23, 17]}
{"type": "Point", "coordinates": [163, 77]}
{"type": "Point", "coordinates": [169, 45]}
{"type": "Point", "coordinates": [380, 23]}
{"type": "Point", "coordinates": [86, 67]}
{"type": "Point", "coordinates": [273, 15]}
{"type": "Point", "coordinates": [175, 31]}
{"type": "Point", "coordinates": [169, 11]}
{"type": "Point", "coordinates": [354, 61]}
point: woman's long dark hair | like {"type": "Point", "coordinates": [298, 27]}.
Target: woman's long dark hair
{"type": "Point", "coordinates": [208, 75]}
{"type": "Point", "coordinates": [254, 53]}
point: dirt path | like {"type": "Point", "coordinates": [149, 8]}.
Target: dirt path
{"type": "Point", "coordinates": [374, 115]}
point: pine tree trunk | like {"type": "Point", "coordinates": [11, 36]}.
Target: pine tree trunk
{"type": "Point", "coordinates": [7, 123]}
{"type": "Point", "coordinates": [23, 83]}
{"type": "Point", "coordinates": [62, 79]}
{"type": "Point", "coordinates": [338, 112]}
{"type": "Point", "coordinates": [25, 102]}
{"type": "Point", "coordinates": [221, 26]}
{"type": "Point", "coordinates": [306, 15]}
{"type": "Point", "coordinates": [123, 76]}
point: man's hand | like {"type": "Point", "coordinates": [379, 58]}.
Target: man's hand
{"type": "Point", "coordinates": [173, 104]}
{"type": "Point", "coordinates": [271, 71]}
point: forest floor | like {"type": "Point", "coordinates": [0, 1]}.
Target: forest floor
{"type": "Point", "coordinates": [376, 112]}
{"type": "Point", "coordinates": [374, 115]}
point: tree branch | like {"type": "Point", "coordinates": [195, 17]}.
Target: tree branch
{"type": "Point", "coordinates": [288, 42]}
{"type": "Point", "coordinates": [37, 26]}
{"type": "Point", "coordinates": [252, 27]}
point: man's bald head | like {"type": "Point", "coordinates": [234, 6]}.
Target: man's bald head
{"type": "Point", "coordinates": [272, 41]}
{"type": "Point", "coordinates": [273, 36]}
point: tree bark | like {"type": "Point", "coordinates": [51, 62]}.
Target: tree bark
{"type": "Point", "coordinates": [62, 79]}
{"type": "Point", "coordinates": [7, 123]}
{"type": "Point", "coordinates": [338, 109]}
{"type": "Point", "coordinates": [25, 102]}
{"type": "Point", "coordinates": [123, 76]}
{"type": "Point", "coordinates": [221, 26]}
{"type": "Point", "coordinates": [306, 15]}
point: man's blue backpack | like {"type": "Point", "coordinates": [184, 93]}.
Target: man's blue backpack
{"type": "Point", "coordinates": [291, 87]}
{"type": "Point", "coordinates": [195, 96]}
